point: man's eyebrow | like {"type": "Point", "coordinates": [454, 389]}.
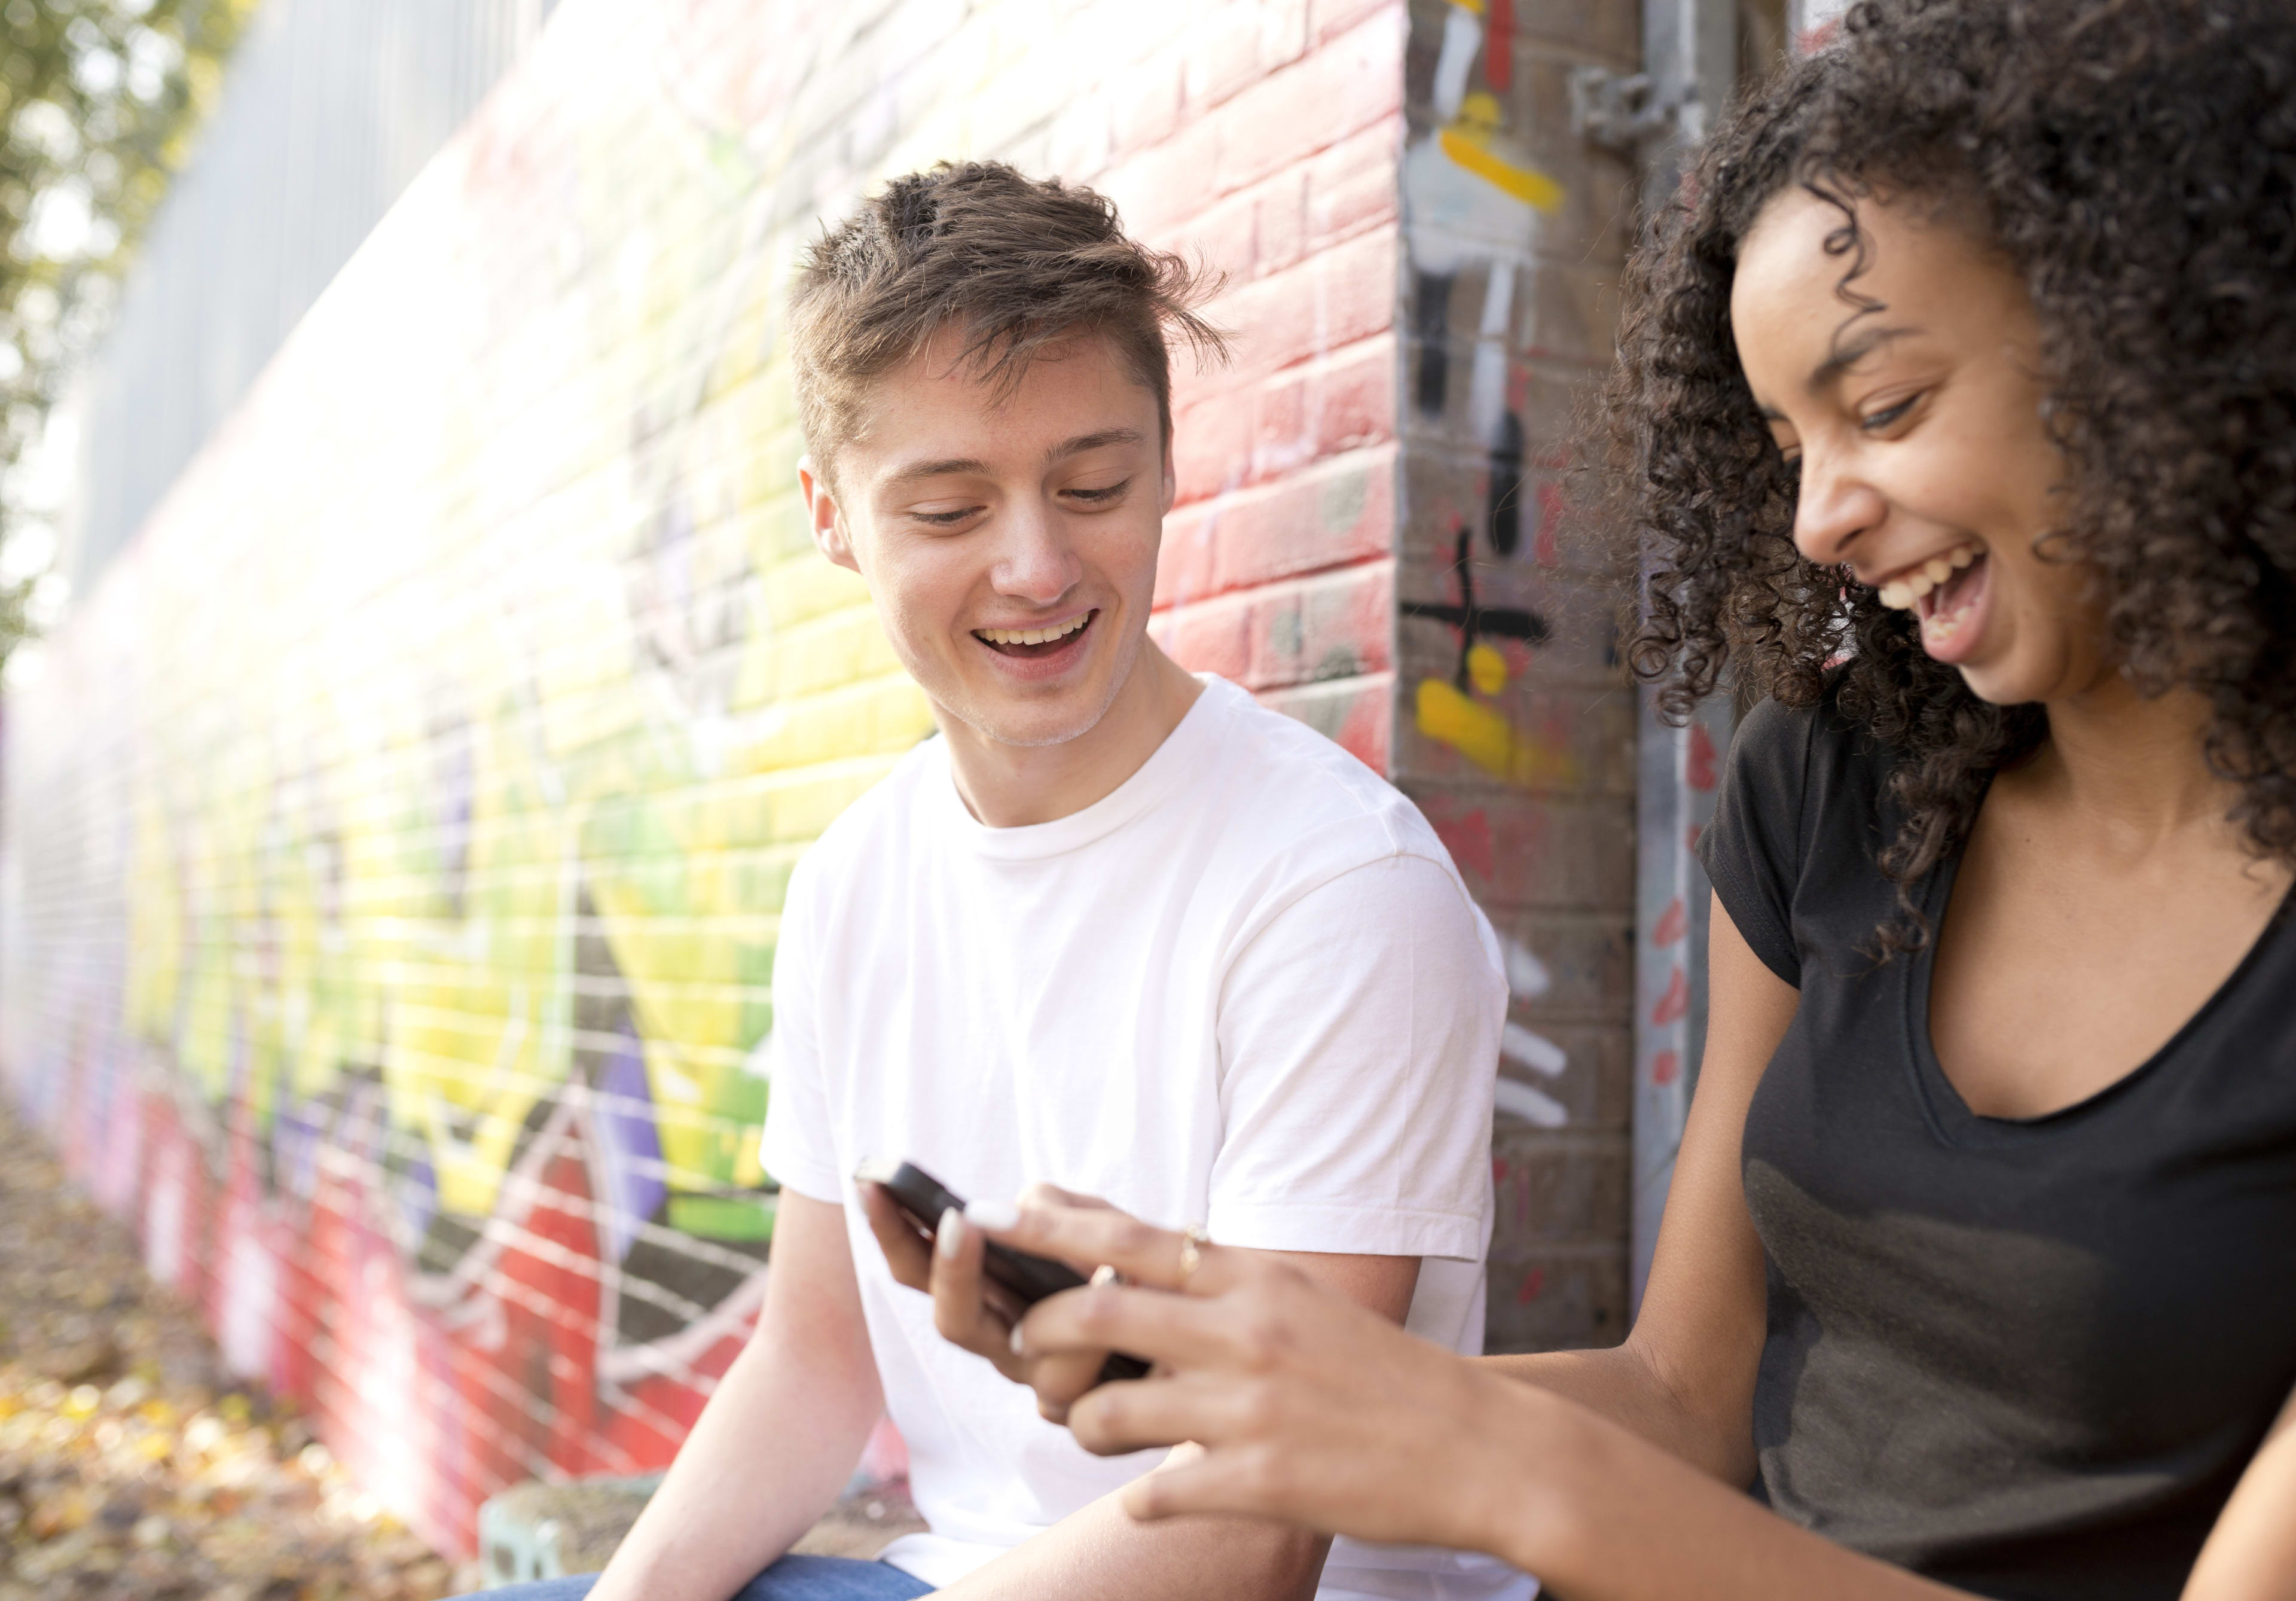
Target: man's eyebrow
{"type": "Point", "coordinates": [941, 468]}
{"type": "Point", "coordinates": [1093, 441]}
{"type": "Point", "coordinates": [1848, 354]}
{"type": "Point", "coordinates": [970, 464]}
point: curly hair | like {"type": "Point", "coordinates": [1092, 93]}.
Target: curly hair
{"type": "Point", "coordinates": [2134, 161]}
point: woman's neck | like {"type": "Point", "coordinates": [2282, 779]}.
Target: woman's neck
{"type": "Point", "coordinates": [2131, 766]}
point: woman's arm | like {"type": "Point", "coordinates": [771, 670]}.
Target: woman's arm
{"type": "Point", "coordinates": [1316, 1412]}
{"type": "Point", "coordinates": [1683, 1380]}
{"type": "Point", "coordinates": [2251, 1552]}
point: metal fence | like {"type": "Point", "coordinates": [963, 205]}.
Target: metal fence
{"type": "Point", "coordinates": [330, 109]}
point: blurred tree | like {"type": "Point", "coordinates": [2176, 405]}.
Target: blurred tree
{"type": "Point", "coordinates": [98, 102]}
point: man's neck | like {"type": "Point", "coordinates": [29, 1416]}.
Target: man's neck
{"type": "Point", "coordinates": [1011, 786]}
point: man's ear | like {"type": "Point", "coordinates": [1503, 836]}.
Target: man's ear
{"type": "Point", "coordinates": [829, 534]}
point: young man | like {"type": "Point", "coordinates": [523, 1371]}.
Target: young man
{"type": "Point", "coordinates": [1117, 929]}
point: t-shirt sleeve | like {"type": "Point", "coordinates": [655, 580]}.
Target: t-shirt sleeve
{"type": "Point", "coordinates": [1752, 849]}
{"type": "Point", "coordinates": [795, 1147]}
{"type": "Point", "coordinates": [1358, 1040]}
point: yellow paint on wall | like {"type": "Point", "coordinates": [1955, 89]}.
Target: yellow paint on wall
{"type": "Point", "coordinates": [1526, 183]}
{"type": "Point", "coordinates": [1486, 669]}
{"type": "Point", "coordinates": [1485, 737]}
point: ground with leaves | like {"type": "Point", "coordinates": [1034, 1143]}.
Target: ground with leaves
{"type": "Point", "coordinates": [130, 1465]}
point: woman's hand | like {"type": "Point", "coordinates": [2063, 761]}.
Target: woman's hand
{"type": "Point", "coordinates": [970, 1309]}
{"type": "Point", "coordinates": [1310, 1407]}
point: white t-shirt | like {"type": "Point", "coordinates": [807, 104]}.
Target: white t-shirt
{"type": "Point", "coordinates": [1247, 989]}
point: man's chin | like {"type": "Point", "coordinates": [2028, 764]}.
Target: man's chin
{"type": "Point", "coordinates": [1006, 720]}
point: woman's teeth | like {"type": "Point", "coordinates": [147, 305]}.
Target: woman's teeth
{"type": "Point", "coordinates": [1907, 592]}
{"type": "Point", "coordinates": [1033, 636]}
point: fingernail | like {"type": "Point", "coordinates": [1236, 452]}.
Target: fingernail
{"type": "Point", "coordinates": [1020, 1346]}
{"type": "Point", "coordinates": [996, 1216]}
{"type": "Point", "coordinates": [948, 1239]}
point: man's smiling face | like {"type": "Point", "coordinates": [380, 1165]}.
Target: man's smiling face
{"type": "Point", "coordinates": [1008, 537]}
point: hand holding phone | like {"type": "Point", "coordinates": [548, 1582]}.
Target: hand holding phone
{"type": "Point", "coordinates": [1014, 1281]}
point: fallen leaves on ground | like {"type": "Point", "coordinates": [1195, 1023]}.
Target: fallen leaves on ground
{"type": "Point", "coordinates": [130, 1465]}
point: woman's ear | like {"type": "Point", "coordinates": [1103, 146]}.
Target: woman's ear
{"type": "Point", "coordinates": [829, 530]}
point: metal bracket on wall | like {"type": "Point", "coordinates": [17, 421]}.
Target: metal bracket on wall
{"type": "Point", "coordinates": [1625, 111]}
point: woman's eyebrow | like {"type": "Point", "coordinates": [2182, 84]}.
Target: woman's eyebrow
{"type": "Point", "coordinates": [1847, 354]}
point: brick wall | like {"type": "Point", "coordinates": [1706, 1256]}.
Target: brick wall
{"type": "Point", "coordinates": [395, 837]}
{"type": "Point", "coordinates": [1514, 731]}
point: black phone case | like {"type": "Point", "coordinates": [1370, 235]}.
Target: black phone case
{"type": "Point", "coordinates": [1025, 1277]}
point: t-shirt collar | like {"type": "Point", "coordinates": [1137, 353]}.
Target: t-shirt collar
{"type": "Point", "coordinates": [1183, 749]}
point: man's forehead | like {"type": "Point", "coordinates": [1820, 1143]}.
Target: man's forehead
{"type": "Point", "coordinates": [938, 412]}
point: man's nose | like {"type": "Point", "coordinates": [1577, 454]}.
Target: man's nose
{"type": "Point", "coordinates": [1837, 507]}
{"type": "Point", "coordinates": [1036, 563]}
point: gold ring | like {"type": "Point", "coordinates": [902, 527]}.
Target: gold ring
{"type": "Point", "coordinates": [1193, 1241]}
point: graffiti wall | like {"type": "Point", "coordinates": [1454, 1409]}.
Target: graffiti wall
{"type": "Point", "coordinates": [1515, 731]}
{"type": "Point", "coordinates": [395, 837]}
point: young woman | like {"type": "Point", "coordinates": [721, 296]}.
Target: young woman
{"type": "Point", "coordinates": [1958, 413]}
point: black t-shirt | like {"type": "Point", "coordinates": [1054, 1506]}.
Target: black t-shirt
{"type": "Point", "coordinates": [2028, 1357]}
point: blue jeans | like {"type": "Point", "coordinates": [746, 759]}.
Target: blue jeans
{"type": "Point", "coordinates": [792, 1579]}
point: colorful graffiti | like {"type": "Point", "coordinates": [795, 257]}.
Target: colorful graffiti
{"type": "Point", "coordinates": [1473, 202]}
{"type": "Point", "coordinates": [396, 842]}
{"type": "Point", "coordinates": [1514, 735]}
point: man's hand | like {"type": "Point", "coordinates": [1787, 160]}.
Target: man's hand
{"type": "Point", "coordinates": [969, 1309]}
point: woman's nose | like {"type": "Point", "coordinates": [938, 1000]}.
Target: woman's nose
{"type": "Point", "coordinates": [1836, 508]}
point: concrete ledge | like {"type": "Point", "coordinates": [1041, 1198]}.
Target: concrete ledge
{"type": "Point", "coordinates": [540, 1530]}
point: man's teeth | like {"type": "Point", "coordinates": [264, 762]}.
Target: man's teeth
{"type": "Point", "coordinates": [1906, 593]}
{"type": "Point", "coordinates": [1033, 636]}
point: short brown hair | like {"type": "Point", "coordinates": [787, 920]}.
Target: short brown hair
{"type": "Point", "coordinates": [1016, 262]}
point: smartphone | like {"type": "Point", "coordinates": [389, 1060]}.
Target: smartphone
{"type": "Point", "coordinates": [1017, 1280]}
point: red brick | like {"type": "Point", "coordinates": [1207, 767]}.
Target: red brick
{"type": "Point", "coordinates": [1209, 636]}
{"type": "Point", "coordinates": [1335, 625]}
{"type": "Point", "coordinates": [1354, 713]}
{"type": "Point", "coordinates": [1184, 563]}
{"type": "Point", "coordinates": [1341, 511]}
{"type": "Point", "coordinates": [1344, 84]}
{"type": "Point", "coordinates": [1225, 238]}
{"type": "Point", "coordinates": [1280, 207]}
{"type": "Point", "coordinates": [1351, 401]}
{"type": "Point", "coordinates": [1144, 103]}
{"type": "Point", "coordinates": [1279, 440]}
{"type": "Point", "coordinates": [1211, 442]}
{"type": "Point", "coordinates": [1330, 300]}
{"type": "Point", "coordinates": [1327, 18]}
{"type": "Point", "coordinates": [1159, 188]}
{"type": "Point", "coordinates": [1354, 185]}
{"type": "Point", "coordinates": [1223, 56]}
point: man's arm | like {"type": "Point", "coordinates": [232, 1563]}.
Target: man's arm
{"type": "Point", "coordinates": [1102, 1553]}
{"type": "Point", "coordinates": [777, 1440]}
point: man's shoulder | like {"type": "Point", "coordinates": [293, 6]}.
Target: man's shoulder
{"type": "Point", "coordinates": [879, 818]}
{"type": "Point", "coordinates": [1298, 785]}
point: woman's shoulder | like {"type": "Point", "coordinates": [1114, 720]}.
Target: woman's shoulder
{"type": "Point", "coordinates": [1808, 752]}
{"type": "Point", "coordinates": [1798, 824]}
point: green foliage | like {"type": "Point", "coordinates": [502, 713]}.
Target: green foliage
{"type": "Point", "coordinates": [98, 101]}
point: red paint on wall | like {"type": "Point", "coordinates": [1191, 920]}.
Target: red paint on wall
{"type": "Point", "coordinates": [1542, 545]}
{"type": "Point", "coordinates": [1499, 50]}
{"type": "Point", "coordinates": [1702, 758]}
{"type": "Point", "coordinates": [1666, 1067]}
{"type": "Point", "coordinates": [1672, 923]}
{"type": "Point", "coordinates": [1674, 1005]}
{"type": "Point", "coordinates": [1468, 838]}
